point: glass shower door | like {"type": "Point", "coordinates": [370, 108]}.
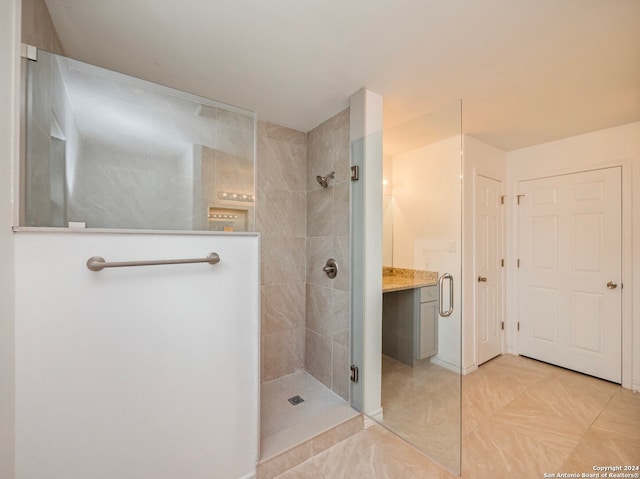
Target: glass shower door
{"type": "Point", "coordinates": [421, 346]}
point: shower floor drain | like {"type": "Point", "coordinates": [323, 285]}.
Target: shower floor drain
{"type": "Point", "coordinates": [295, 400]}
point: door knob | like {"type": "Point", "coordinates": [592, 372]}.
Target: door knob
{"type": "Point", "coordinates": [612, 285]}
{"type": "Point", "coordinates": [482, 279]}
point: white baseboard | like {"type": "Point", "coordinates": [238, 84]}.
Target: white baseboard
{"type": "Point", "coordinates": [368, 422]}
{"type": "Point", "coordinates": [446, 364]}
{"type": "Point", "coordinates": [373, 418]}
{"type": "Point", "coordinates": [470, 369]}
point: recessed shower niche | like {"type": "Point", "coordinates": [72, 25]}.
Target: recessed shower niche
{"type": "Point", "coordinates": [228, 219]}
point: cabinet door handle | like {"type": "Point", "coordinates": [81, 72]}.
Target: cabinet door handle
{"type": "Point", "coordinates": [482, 279]}
{"type": "Point", "coordinates": [447, 313]}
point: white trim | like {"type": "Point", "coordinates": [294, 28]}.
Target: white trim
{"type": "Point", "coordinates": [10, 28]}
{"type": "Point", "coordinates": [469, 369]}
{"type": "Point", "coordinates": [512, 279]}
{"type": "Point", "coordinates": [455, 368]}
{"type": "Point", "coordinates": [39, 229]}
{"type": "Point", "coordinates": [29, 52]}
{"type": "Point", "coordinates": [474, 269]}
{"type": "Point", "coordinates": [627, 273]}
{"type": "Point", "coordinates": [373, 418]}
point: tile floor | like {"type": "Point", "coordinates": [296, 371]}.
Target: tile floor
{"type": "Point", "coordinates": [521, 419]}
{"type": "Point", "coordinates": [422, 405]}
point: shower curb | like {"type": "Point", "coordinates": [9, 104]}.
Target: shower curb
{"type": "Point", "coordinates": [289, 459]}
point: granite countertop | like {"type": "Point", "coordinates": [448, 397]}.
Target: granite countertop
{"type": "Point", "coordinates": [398, 279]}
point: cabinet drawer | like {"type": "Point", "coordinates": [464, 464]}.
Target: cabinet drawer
{"type": "Point", "coordinates": [428, 293]}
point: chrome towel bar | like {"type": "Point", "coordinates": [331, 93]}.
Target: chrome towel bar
{"type": "Point", "coordinates": [97, 263]}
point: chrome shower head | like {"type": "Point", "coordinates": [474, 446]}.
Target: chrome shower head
{"type": "Point", "coordinates": [324, 180]}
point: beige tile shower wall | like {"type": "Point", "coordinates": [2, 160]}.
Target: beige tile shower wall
{"type": "Point", "coordinates": [327, 305]}
{"type": "Point", "coordinates": [281, 179]}
{"type": "Point", "coordinates": [37, 27]}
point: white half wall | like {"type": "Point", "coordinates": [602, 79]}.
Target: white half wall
{"type": "Point", "coordinates": [619, 146]}
{"type": "Point", "coordinates": [136, 372]}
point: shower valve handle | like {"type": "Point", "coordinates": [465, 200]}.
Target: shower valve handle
{"type": "Point", "coordinates": [331, 268]}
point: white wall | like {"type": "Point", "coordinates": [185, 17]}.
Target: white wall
{"type": "Point", "coordinates": [427, 225]}
{"type": "Point", "coordinates": [9, 34]}
{"type": "Point", "coordinates": [613, 146]}
{"type": "Point", "coordinates": [136, 372]}
{"type": "Point", "coordinates": [387, 211]}
{"type": "Point", "coordinates": [486, 160]}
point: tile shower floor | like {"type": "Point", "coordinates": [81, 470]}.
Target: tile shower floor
{"type": "Point", "coordinates": [521, 419]}
{"type": "Point", "coordinates": [284, 425]}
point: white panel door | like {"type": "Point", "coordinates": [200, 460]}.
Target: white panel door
{"type": "Point", "coordinates": [570, 250]}
{"type": "Point", "coordinates": [488, 257]}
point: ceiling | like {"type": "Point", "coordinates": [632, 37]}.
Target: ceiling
{"type": "Point", "coordinates": [528, 71]}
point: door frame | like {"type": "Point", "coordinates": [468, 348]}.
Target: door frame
{"type": "Point", "coordinates": [503, 303]}
{"type": "Point", "coordinates": [627, 257]}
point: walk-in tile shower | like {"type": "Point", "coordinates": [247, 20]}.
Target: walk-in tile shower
{"type": "Point", "coordinates": [303, 214]}
{"type": "Point", "coordinates": [106, 151]}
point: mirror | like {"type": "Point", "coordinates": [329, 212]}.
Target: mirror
{"type": "Point", "coordinates": [422, 238]}
{"type": "Point", "coordinates": [106, 150]}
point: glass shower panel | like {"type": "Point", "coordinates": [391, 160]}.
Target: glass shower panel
{"type": "Point", "coordinates": [106, 150]}
{"type": "Point", "coordinates": [421, 323]}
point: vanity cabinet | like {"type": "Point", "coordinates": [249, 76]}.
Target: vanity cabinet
{"type": "Point", "coordinates": [426, 324]}
{"type": "Point", "coordinates": [410, 324]}
{"type": "Point", "coordinates": [398, 313]}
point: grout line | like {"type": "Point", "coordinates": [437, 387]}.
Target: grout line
{"type": "Point", "coordinates": [587, 431]}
